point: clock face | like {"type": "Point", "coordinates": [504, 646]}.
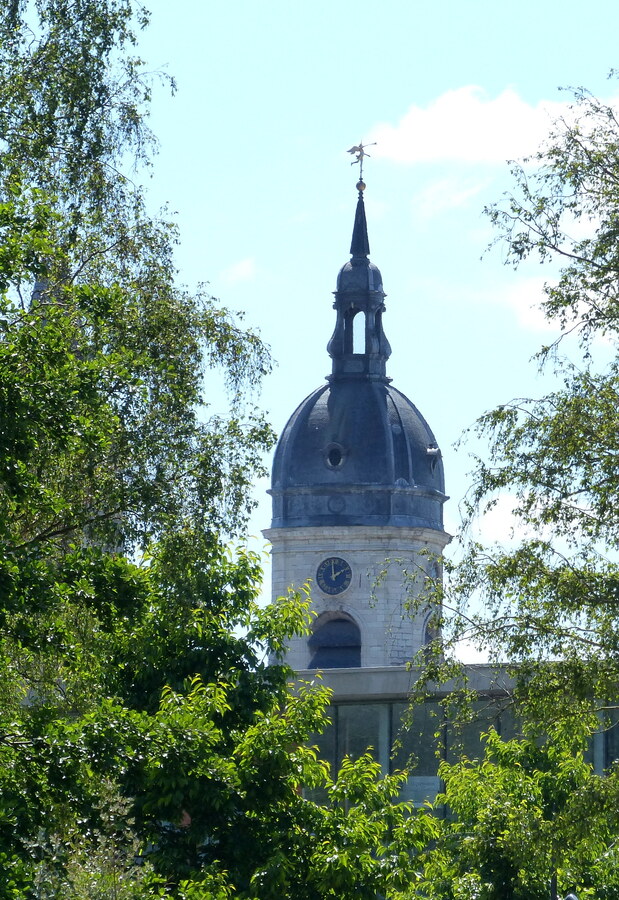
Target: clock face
{"type": "Point", "coordinates": [334, 575]}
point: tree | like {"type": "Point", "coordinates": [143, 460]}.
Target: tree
{"type": "Point", "coordinates": [526, 816]}
{"type": "Point", "coordinates": [147, 748]}
{"type": "Point", "coordinates": [551, 596]}
{"type": "Point", "coordinates": [119, 345]}
{"type": "Point", "coordinates": [546, 607]}
{"type": "Point", "coordinates": [107, 453]}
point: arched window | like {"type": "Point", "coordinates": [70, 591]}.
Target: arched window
{"type": "Point", "coordinates": [354, 331]}
{"type": "Point", "coordinates": [431, 631]}
{"type": "Point", "coordinates": [335, 643]}
{"type": "Point", "coordinates": [358, 333]}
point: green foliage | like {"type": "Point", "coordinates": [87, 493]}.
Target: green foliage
{"type": "Point", "coordinates": [527, 811]}
{"type": "Point", "coordinates": [544, 606]}
{"type": "Point", "coordinates": [106, 433]}
{"type": "Point", "coordinates": [147, 747]}
{"type": "Point", "coordinates": [99, 862]}
{"type": "Point", "coordinates": [564, 208]}
{"type": "Point", "coordinates": [546, 603]}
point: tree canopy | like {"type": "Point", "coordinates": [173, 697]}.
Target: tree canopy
{"type": "Point", "coordinates": [147, 746]}
{"type": "Point", "coordinates": [526, 817]}
{"type": "Point", "coordinates": [544, 606]}
{"type": "Point", "coordinates": [550, 597]}
{"type": "Point", "coordinates": [91, 307]}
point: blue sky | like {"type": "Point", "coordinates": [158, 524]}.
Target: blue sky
{"type": "Point", "coordinates": [252, 160]}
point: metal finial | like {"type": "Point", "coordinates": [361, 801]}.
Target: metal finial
{"type": "Point", "coordinates": [359, 151]}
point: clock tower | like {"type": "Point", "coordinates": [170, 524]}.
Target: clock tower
{"type": "Point", "coordinates": [358, 492]}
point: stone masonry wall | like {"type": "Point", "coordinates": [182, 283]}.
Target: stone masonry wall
{"type": "Point", "coordinates": [376, 597]}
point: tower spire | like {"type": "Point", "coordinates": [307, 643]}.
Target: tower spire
{"type": "Point", "coordinates": [360, 244]}
{"type": "Point", "coordinates": [358, 346]}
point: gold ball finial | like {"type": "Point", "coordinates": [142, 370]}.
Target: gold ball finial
{"type": "Point", "coordinates": [361, 185]}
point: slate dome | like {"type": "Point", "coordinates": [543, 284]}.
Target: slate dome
{"type": "Point", "coordinates": [353, 277]}
{"type": "Point", "coordinates": [357, 451]}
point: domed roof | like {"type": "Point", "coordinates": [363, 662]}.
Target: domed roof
{"type": "Point", "coordinates": [359, 275]}
{"type": "Point", "coordinates": [357, 452]}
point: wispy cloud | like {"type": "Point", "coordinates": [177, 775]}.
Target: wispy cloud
{"type": "Point", "coordinates": [500, 524]}
{"type": "Point", "coordinates": [524, 299]}
{"type": "Point", "coordinates": [243, 270]}
{"type": "Point", "coordinates": [467, 125]}
{"type": "Point", "coordinates": [445, 194]}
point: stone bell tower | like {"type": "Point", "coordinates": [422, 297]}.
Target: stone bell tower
{"type": "Point", "coordinates": [357, 481]}
{"type": "Point", "coordinates": [358, 492]}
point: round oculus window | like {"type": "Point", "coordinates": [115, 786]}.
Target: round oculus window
{"type": "Point", "coordinates": [335, 456]}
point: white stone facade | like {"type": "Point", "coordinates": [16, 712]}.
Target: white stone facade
{"type": "Point", "coordinates": [386, 562]}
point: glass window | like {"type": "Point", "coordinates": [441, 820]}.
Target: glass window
{"type": "Point", "coordinates": [325, 744]}
{"type": "Point", "coordinates": [611, 737]}
{"type": "Point", "coordinates": [417, 737]}
{"type": "Point", "coordinates": [509, 725]}
{"type": "Point", "coordinates": [336, 644]}
{"type": "Point", "coordinates": [362, 727]}
{"type": "Point", "coordinates": [465, 740]}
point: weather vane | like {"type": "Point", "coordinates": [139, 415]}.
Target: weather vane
{"type": "Point", "coordinates": [359, 151]}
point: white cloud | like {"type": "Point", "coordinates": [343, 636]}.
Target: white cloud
{"type": "Point", "coordinates": [520, 297]}
{"type": "Point", "coordinates": [445, 194]}
{"type": "Point", "coordinates": [466, 125]}
{"type": "Point", "coordinates": [243, 270]}
{"type": "Point", "coordinates": [524, 299]}
{"type": "Point", "coordinates": [499, 524]}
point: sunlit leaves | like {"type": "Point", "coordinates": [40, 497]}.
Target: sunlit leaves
{"type": "Point", "coordinates": [525, 812]}
{"type": "Point", "coordinates": [545, 605]}
{"type": "Point", "coordinates": [548, 600]}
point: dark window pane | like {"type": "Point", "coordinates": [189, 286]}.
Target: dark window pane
{"type": "Point", "coordinates": [509, 725]}
{"type": "Point", "coordinates": [325, 744]}
{"type": "Point", "coordinates": [611, 737]}
{"type": "Point", "coordinates": [465, 740]}
{"type": "Point", "coordinates": [415, 737]}
{"type": "Point", "coordinates": [359, 728]}
{"type": "Point", "coordinates": [336, 645]}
